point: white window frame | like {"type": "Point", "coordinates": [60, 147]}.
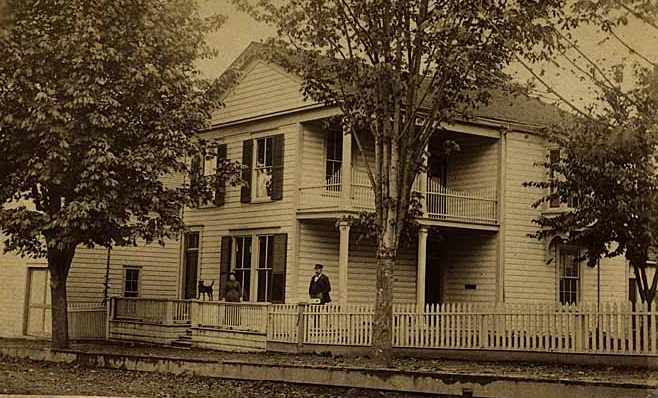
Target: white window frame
{"type": "Point", "coordinates": [255, 269]}
{"type": "Point", "coordinates": [337, 164]}
{"type": "Point", "coordinates": [261, 179]}
{"type": "Point", "coordinates": [560, 274]}
{"type": "Point", "coordinates": [126, 269]}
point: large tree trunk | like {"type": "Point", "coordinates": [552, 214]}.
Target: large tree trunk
{"type": "Point", "coordinates": [382, 332]}
{"type": "Point", "coordinates": [59, 263]}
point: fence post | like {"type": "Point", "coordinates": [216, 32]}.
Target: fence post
{"type": "Point", "coordinates": [194, 313]}
{"type": "Point", "coordinates": [109, 315]}
{"type": "Point", "coordinates": [301, 325]}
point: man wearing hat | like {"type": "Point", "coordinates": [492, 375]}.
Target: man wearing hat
{"type": "Point", "coordinates": [320, 286]}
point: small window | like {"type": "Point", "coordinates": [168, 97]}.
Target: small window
{"type": "Point", "coordinates": [263, 169]}
{"type": "Point", "coordinates": [131, 282]}
{"type": "Point", "coordinates": [569, 276]}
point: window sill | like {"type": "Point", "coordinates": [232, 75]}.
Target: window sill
{"type": "Point", "coordinates": [261, 200]}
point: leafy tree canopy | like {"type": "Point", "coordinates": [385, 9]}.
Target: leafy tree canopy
{"type": "Point", "coordinates": [99, 104]}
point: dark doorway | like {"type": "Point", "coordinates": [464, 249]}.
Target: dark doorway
{"type": "Point", "coordinates": [433, 275]}
{"type": "Point", "coordinates": [190, 266]}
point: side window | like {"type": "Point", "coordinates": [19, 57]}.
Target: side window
{"type": "Point", "coordinates": [569, 275]}
{"type": "Point", "coordinates": [334, 159]}
{"type": "Point", "coordinates": [131, 283]}
{"type": "Point", "coordinates": [553, 158]}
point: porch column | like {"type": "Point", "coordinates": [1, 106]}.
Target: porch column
{"type": "Point", "coordinates": [422, 264]}
{"type": "Point", "coordinates": [343, 253]}
{"type": "Point", "coordinates": [346, 166]}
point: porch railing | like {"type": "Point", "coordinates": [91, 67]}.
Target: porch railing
{"type": "Point", "coordinates": [473, 205]}
{"type": "Point", "coordinates": [239, 316]}
{"type": "Point", "coordinates": [607, 329]}
{"type": "Point", "coordinates": [164, 311]}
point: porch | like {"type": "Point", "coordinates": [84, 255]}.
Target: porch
{"type": "Point", "coordinates": [608, 329]}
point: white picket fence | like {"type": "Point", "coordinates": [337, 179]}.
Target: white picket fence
{"type": "Point", "coordinates": [87, 320]}
{"type": "Point", "coordinates": [607, 329]}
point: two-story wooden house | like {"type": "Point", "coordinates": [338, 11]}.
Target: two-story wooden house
{"type": "Point", "coordinates": [307, 179]}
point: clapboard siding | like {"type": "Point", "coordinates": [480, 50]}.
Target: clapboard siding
{"type": "Point", "coordinates": [475, 165]}
{"type": "Point", "coordinates": [263, 89]}
{"type": "Point", "coordinates": [13, 282]}
{"type": "Point", "coordinates": [527, 277]}
{"type": "Point", "coordinates": [313, 156]}
{"type": "Point", "coordinates": [319, 243]}
{"type": "Point", "coordinates": [158, 279]}
{"type": "Point", "coordinates": [234, 217]}
{"type": "Point", "coordinates": [468, 258]}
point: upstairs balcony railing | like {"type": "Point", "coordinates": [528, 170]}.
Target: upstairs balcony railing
{"type": "Point", "coordinates": [473, 205]}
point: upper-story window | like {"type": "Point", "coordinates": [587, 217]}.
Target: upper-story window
{"type": "Point", "coordinates": [262, 178]}
{"type": "Point", "coordinates": [262, 159]}
{"type": "Point", "coordinates": [334, 159]}
{"type": "Point", "coordinates": [554, 157]}
{"type": "Point", "coordinates": [204, 165]}
{"type": "Point", "coordinates": [569, 275]}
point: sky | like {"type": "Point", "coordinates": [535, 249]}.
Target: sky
{"type": "Point", "coordinates": [240, 30]}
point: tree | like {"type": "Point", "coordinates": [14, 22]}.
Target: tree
{"type": "Point", "coordinates": [398, 70]}
{"type": "Point", "coordinates": [608, 166]}
{"type": "Point", "coordinates": [99, 102]}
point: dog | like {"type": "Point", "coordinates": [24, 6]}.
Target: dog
{"type": "Point", "coordinates": [205, 290]}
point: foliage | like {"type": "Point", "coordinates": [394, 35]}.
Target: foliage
{"type": "Point", "coordinates": [608, 168]}
{"type": "Point", "coordinates": [100, 102]}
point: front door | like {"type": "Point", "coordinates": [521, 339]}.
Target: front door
{"type": "Point", "coordinates": [38, 320]}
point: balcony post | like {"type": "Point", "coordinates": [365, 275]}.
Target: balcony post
{"type": "Point", "coordinates": [346, 166]}
{"type": "Point", "coordinates": [422, 266]}
{"type": "Point", "coordinates": [343, 257]}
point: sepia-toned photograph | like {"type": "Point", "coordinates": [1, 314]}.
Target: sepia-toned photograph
{"type": "Point", "coordinates": [329, 198]}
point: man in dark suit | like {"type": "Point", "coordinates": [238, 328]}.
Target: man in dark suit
{"type": "Point", "coordinates": [320, 286]}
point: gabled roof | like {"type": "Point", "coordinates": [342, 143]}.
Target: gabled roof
{"type": "Point", "coordinates": [502, 107]}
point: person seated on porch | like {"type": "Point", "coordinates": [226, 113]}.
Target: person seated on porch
{"type": "Point", "coordinates": [320, 286]}
{"type": "Point", "coordinates": [232, 292]}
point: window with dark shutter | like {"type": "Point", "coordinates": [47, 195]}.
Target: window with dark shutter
{"type": "Point", "coordinates": [247, 158]}
{"type": "Point", "coordinates": [280, 249]}
{"type": "Point", "coordinates": [220, 184]}
{"type": "Point", "coordinates": [277, 167]}
{"type": "Point", "coordinates": [224, 264]}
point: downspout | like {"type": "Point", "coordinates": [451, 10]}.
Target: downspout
{"type": "Point", "coordinates": [106, 289]}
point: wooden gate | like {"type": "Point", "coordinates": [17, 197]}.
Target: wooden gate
{"type": "Point", "coordinates": [38, 320]}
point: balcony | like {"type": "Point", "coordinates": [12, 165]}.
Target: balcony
{"type": "Point", "coordinates": [470, 206]}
